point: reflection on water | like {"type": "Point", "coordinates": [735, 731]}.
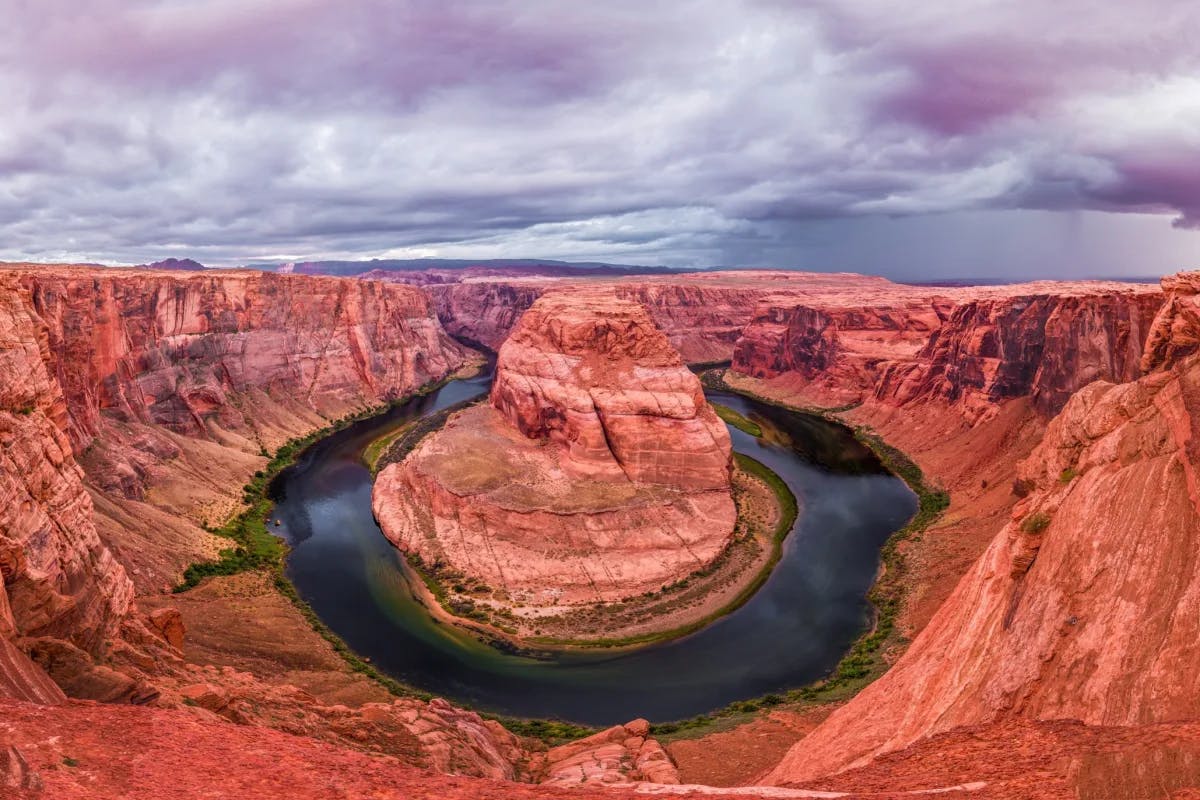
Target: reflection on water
{"type": "Point", "coordinates": [791, 632]}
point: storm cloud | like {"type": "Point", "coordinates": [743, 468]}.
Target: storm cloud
{"type": "Point", "coordinates": [843, 134]}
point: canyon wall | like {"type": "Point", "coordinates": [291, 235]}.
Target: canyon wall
{"type": "Point", "coordinates": [972, 349]}
{"type": "Point", "coordinates": [127, 395]}
{"type": "Point", "coordinates": [702, 314]}
{"type": "Point", "coordinates": [482, 312]}
{"type": "Point", "coordinates": [176, 385]}
{"type": "Point", "coordinates": [169, 350]}
{"type": "Point", "coordinates": [833, 351]}
{"type": "Point", "coordinates": [1086, 605]}
{"type": "Point", "coordinates": [1044, 346]}
{"type": "Point", "coordinates": [57, 579]}
{"type": "Point", "coordinates": [701, 322]}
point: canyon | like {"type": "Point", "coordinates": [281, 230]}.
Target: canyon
{"type": "Point", "coordinates": [1051, 609]}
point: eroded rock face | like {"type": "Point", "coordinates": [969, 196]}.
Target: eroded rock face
{"type": "Point", "coordinates": [702, 314]}
{"type": "Point", "coordinates": [594, 374]}
{"type": "Point", "coordinates": [971, 348]}
{"type": "Point", "coordinates": [1086, 605]}
{"type": "Point", "coordinates": [701, 320]}
{"type": "Point", "coordinates": [56, 577]}
{"type": "Point", "coordinates": [21, 679]}
{"type": "Point", "coordinates": [482, 312]}
{"type": "Point", "coordinates": [620, 754]}
{"type": "Point", "coordinates": [1176, 330]}
{"type": "Point", "coordinates": [139, 752]}
{"type": "Point", "coordinates": [134, 373]}
{"type": "Point", "coordinates": [1042, 346]}
{"type": "Point", "coordinates": [832, 349]}
{"type": "Point", "coordinates": [177, 350]}
{"type": "Point", "coordinates": [598, 471]}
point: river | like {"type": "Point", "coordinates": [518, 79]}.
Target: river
{"type": "Point", "coordinates": [791, 632]}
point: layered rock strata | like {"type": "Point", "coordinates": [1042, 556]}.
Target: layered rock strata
{"type": "Point", "coordinates": [620, 754]}
{"type": "Point", "coordinates": [1045, 347]}
{"type": "Point", "coordinates": [482, 312]}
{"type": "Point", "coordinates": [57, 579]}
{"type": "Point", "coordinates": [596, 472]}
{"type": "Point", "coordinates": [835, 351]}
{"type": "Point", "coordinates": [702, 314]}
{"type": "Point", "coordinates": [174, 385]}
{"type": "Point", "coordinates": [165, 388]}
{"type": "Point", "coordinates": [182, 352]}
{"type": "Point", "coordinates": [970, 349]}
{"type": "Point", "coordinates": [1057, 619]}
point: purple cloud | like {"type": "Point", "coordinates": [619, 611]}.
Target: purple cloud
{"type": "Point", "coordinates": [703, 131]}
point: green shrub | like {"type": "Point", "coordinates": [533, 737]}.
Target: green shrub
{"type": "Point", "coordinates": [1036, 523]}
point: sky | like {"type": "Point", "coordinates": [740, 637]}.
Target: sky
{"type": "Point", "coordinates": [923, 140]}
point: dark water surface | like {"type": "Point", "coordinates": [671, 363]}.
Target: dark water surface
{"type": "Point", "coordinates": [794, 629]}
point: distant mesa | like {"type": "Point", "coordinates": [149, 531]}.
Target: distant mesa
{"type": "Point", "coordinates": [447, 270]}
{"type": "Point", "coordinates": [175, 265]}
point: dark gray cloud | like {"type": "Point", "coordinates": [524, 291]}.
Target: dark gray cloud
{"type": "Point", "coordinates": [820, 134]}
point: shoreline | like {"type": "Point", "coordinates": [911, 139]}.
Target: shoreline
{"type": "Point", "coordinates": [429, 593]}
{"type": "Point", "coordinates": [862, 664]}
{"type": "Point", "coordinates": [558, 731]}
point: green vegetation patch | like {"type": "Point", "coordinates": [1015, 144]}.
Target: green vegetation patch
{"type": "Point", "coordinates": [254, 546]}
{"type": "Point", "coordinates": [375, 451]}
{"type": "Point", "coordinates": [1036, 522]}
{"type": "Point", "coordinates": [737, 420]}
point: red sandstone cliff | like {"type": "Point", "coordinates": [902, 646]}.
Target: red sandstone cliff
{"type": "Point", "coordinates": [174, 384]}
{"type": "Point", "coordinates": [56, 577]}
{"type": "Point", "coordinates": [1043, 346]}
{"type": "Point", "coordinates": [702, 314]}
{"type": "Point", "coordinates": [162, 381]}
{"type": "Point", "coordinates": [482, 312]}
{"type": "Point", "coordinates": [831, 351]}
{"type": "Point", "coordinates": [178, 351]}
{"type": "Point", "coordinates": [972, 348]}
{"type": "Point", "coordinates": [1086, 605]}
{"type": "Point", "coordinates": [702, 320]}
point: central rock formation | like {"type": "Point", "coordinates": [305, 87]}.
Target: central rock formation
{"type": "Point", "coordinates": [597, 472]}
{"type": "Point", "coordinates": [594, 374]}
